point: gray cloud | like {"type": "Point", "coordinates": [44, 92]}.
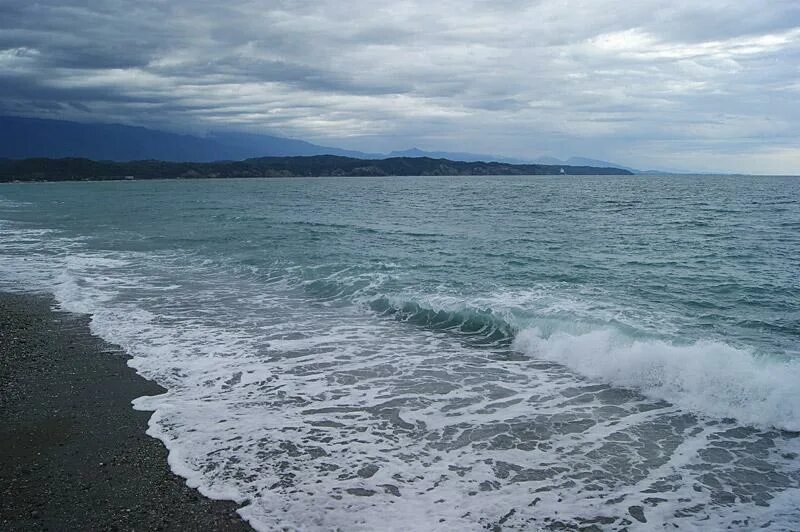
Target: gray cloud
{"type": "Point", "coordinates": [709, 85]}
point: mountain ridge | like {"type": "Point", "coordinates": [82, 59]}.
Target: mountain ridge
{"type": "Point", "coordinates": [24, 138]}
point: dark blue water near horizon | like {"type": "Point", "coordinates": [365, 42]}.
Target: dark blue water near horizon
{"type": "Point", "coordinates": [602, 344]}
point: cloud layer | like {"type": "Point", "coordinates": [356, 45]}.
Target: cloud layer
{"type": "Point", "coordinates": [681, 84]}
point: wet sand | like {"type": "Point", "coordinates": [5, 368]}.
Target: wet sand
{"type": "Point", "coordinates": [73, 453]}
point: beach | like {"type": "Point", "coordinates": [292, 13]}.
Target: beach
{"type": "Point", "coordinates": [409, 353]}
{"type": "Point", "coordinates": [73, 453]}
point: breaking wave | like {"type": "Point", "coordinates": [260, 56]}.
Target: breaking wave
{"type": "Point", "coordinates": [706, 377]}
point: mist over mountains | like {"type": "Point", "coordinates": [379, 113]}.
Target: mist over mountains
{"type": "Point", "coordinates": [22, 138]}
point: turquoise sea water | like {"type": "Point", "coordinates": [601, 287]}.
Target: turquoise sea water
{"type": "Point", "coordinates": [448, 353]}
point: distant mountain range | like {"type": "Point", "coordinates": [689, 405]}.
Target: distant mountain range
{"type": "Point", "coordinates": [461, 156]}
{"type": "Point", "coordinates": [583, 161]}
{"type": "Point", "coordinates": [22, 138]}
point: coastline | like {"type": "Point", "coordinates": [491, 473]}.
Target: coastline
{"type": "Point", "coordinates": [79, 169]}
{"type": "Point", "coordinates": [73, 452]}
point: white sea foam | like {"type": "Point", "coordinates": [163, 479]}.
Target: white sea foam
{"type": "Point", "coordinates": [710, 378]}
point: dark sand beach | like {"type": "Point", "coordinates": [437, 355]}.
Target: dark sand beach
{"type": "Point", "coordinates": [73, 453]}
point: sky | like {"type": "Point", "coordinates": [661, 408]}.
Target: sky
{"type": "Point", "coordinates": [706, 86]}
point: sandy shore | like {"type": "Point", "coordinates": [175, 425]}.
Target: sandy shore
{"type": "Point", "coordinates": [73, 453]}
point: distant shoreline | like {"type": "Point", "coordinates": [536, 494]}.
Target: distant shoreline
{"type": "Point", "coordinates": [73, 453]}
{"type": "Point", "coordinates": [77, 169]}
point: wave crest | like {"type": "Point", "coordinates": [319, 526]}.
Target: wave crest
{"type": "Point", "coordinates": [482, 326]}
{"type": "Point", "coordinates": [710, 378]}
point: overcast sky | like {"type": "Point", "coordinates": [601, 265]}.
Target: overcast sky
{"type": "Point", "coordinates": [705, 85]}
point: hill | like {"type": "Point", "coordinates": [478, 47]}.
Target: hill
{"type": "Point", "coordinates": [71, 169]}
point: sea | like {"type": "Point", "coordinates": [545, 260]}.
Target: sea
{"type": "Point", "coordinates": [448, 353]}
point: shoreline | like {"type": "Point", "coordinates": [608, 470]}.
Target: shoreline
{"type": "Point", "coordinates": [73, 452]}
{"type": "Point", "coordinates": [70, 169]}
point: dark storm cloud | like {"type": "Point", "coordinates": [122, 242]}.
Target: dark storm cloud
{"type": "Point", "coordinates": [652, 83]}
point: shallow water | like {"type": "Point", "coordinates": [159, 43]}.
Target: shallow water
{"type": "Point", "coordinates": [448, 353]}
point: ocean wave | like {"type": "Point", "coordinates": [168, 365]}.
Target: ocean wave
{"type": "Point", "coordinates": [482, 325]}
{"type": "Point", "coordinates": [706, 377]}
